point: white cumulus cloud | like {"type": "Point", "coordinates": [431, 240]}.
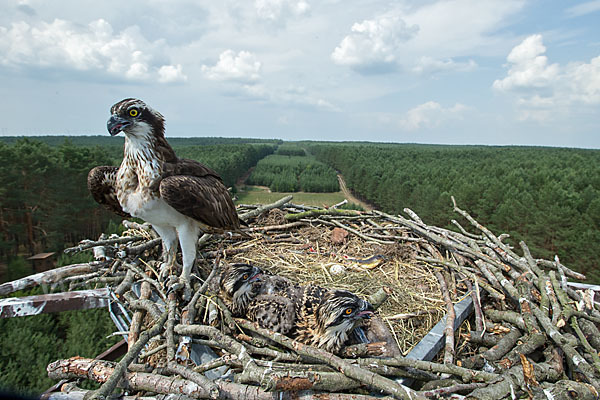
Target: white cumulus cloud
{"type": "Point", "coordinates": [543, 90]}
{"type": "Point", "coordinates": [374, 45]}
{"type": "Point", "coordinates": [428, 37]}
{"type": "Point", "coordinates": [171, 73]}
{"type": "Point", "coordinates": [240, 67]}
{"type": "Point", "coordinates": [241, 73]}
{"type": "Point", "coordinates": [529, 67]}
{"type": "Point", "coordinates": [65, 46]}
{"type": "Point", "coordinates": [583, 81]}
{"type": "Point", "coordinates": [430, 115]}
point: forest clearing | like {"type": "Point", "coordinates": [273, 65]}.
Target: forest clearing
{"type": "Point", "coordinates": [254, 195]}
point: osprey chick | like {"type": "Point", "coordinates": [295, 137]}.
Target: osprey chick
{"type": "Point", "coordinates": [322, 317]}
{"type": "Point", "coordinates": [336, 315]}
{"type": "Point", "coordinates": [181, 198]}
{"type": "Point", "coordinates": [239, 285]}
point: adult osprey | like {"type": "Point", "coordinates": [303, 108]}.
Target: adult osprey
{"type": "Point", "coordinates": [180, 198]}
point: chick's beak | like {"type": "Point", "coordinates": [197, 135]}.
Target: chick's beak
{"type": "Point", "coordinates": [116, 124]}
{"type": "Point", "coordinates": [367, 311]}
{"type": "Point", "coordinates": [257, 274]}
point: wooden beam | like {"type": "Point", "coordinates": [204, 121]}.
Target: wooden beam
{"type": "Point", "coordinates": [47, 303]}
{"type": "Point", "coordinates": [114, 352]}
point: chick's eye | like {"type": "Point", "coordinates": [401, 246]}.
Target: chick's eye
{"type": "Point", "coordinates": [348, 311]}
{"type": "Point", "coordinates": [246, 276]}
{"type": "Point", "coordinates": [134, 112]}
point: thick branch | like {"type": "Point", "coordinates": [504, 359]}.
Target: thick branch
{"type": "Point", "coordinates": [196, 377]}
{"type": "Point", "coordinates": [48, 277]}
{"type": "Point", "coordinates": [466, 374]}
{"type": "Point", "coordinates": [256, 212]}
{"type": "Point", "coordinates": [569, 350]}
{"type": "Point", "coordinates": [121, 368]}
{"type": "Point", "coordinates": [352, 371]}
{"type": "Point", "coordinates": [88, 244]}
{"type": "Point", "coordinates": [320, 212]}
{"type": "Point", "coordinates": [451, 315]}
{"type": "Point", "coordinates": [138, 316]}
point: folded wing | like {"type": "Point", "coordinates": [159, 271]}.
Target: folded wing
{"type": "Point", "coordinates": [101, 184]}
{"type": "Point", "coordinates": [198, 192]}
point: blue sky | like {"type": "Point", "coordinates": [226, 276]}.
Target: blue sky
{"type": "Point", "coordinates": [457, 71]}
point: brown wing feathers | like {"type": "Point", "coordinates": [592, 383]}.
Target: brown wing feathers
{"type": "Point", "coordinates": [203, 198]}
{"type": "Point", "coordinates": [101, 184]}
{"type": "Point", "coordinates": [190, 187]}
{"type": "Point", "coordinates": [274, 312]}
{"type": "Point", "coordinates": [184, 166]}
{"type": "Point", "coordinates": [197, 191]}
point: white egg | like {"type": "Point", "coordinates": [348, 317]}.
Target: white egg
{"type": "Point", "coordinates": [336, 269]}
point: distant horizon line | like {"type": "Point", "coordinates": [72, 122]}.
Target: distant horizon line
{"type": "Point", "coordinates": [4, 137]}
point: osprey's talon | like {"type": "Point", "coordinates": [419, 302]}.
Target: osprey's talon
{"type": "Point", "coordinates": [164, 272]}
{"type": "Point", "coordinates": [187, 288]}
{"type": "Point", "coordinates": [175, 284]}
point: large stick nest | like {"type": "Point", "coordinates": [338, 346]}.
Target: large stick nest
{"type": "Point", "coordinates": [530, 335]}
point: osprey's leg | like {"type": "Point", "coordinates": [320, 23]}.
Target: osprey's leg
{"type": "Point", "coordinates": [169, 240]}
{"type": "Point", "coordinates": [188, 240]}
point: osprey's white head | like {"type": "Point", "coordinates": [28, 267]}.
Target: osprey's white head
{"type": "Point", "coordinates": [144, 130]}
{"type": "Point", "coordinates": [136, 120]}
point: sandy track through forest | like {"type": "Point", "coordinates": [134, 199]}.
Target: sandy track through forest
{"type": "Point", "coordinates": [350, 196]}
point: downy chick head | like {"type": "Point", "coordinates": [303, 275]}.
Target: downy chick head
{"type": "Point", "coordinates": [240, 283]}
{"type": "Point", "coordinates": [337, 315]}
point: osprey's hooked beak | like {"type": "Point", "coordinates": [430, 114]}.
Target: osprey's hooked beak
{"type": "Point", "coordinates": [367, 312]}
{"type": "Point", "coordinates": [256, 275]}
{"type": "Point", "coordinates": [115, 124]}
{"type": "Point", "coordinates": [256, 278]}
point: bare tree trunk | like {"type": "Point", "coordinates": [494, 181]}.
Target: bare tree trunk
{"type": "Point", "coordinates": [99, 371]}
{"type": "Point", "coordinates": [29, 231]}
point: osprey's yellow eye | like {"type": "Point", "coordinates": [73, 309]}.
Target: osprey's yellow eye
{"type": "Point", "coordinates": [246, 276]}
{"type": "Point", "coordinates": [134, 112]}
{"type": "Point", "coordinates": [348, 311]}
